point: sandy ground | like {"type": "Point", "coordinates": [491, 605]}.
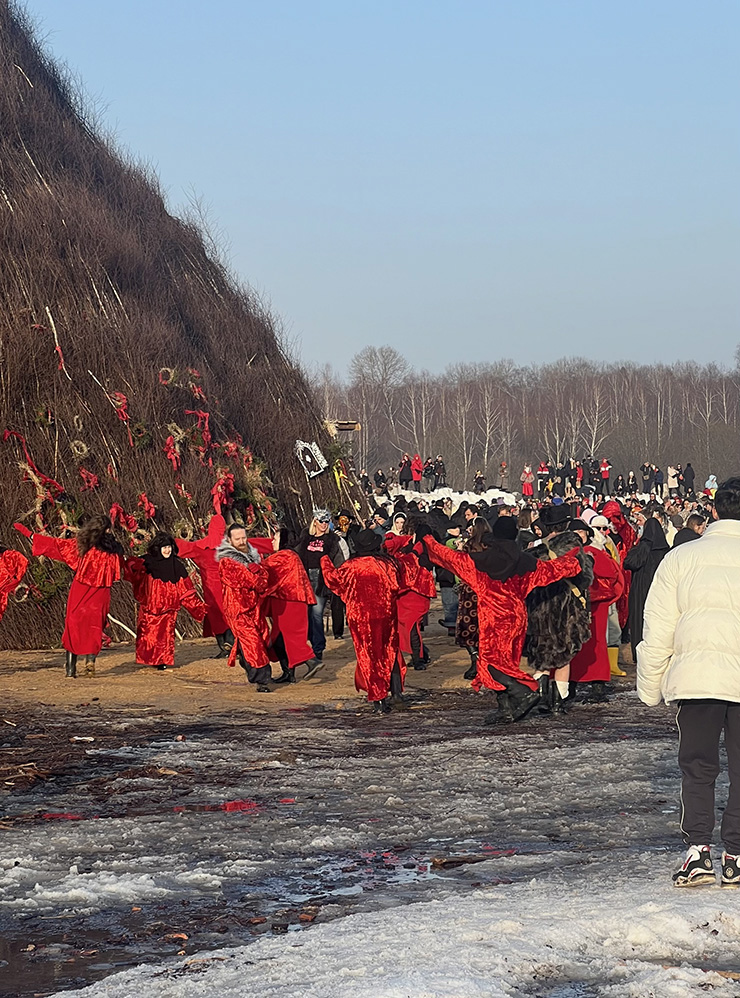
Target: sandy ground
{"type": "Point", "coordinates": [200, 682]}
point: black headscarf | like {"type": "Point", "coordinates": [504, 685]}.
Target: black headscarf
{"type": "Point", "coordinates": [503, 559]}
{"type": "Point", "coordinates": [164, 569]}
{"type": "Point", "coordinates": [654, 534]}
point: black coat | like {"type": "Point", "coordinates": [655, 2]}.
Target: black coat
{"type": "Point", "coordinates": [643, 560]}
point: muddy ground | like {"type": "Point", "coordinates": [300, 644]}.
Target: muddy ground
{"type": "Point", "coordinates": [82, 751]}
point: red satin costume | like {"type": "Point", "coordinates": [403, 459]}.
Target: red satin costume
{"type": "Point", "coordinates": [159, 603]}
{"type": "Point", "coordinates": [613, 512]}
{"type": "Point", "coordinates": [13, 567]}
{"type": "Point", "coordinates": [502, 612]}
{"type": "Point", "coordinates": [89, 595]}
{"type": "Point", "coordinates": [203, 554]}
{"type": "Point", "coordinates": [417, 589]}
{"type": "Point", "coordinates": [243, 587]}
{"type": "Point", "coordinates": [591, 664]}
{"type": "Point", "coordinates": [369, 586]}
{"type": "Point", "coordinates": [285, 604]}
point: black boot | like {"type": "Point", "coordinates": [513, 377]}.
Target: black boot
{"type": "Point", "coordinates": [545, 690]}
{"type": "Point", "coordinates": [559, 704]}
{"type": "Point", "coordinates": [288, 674]}
{"type": "Point", "coordinates": [417, 650]}
{"type": "Point", "coordinates": [71, 666]}
{"type": "Point", "coordinates": [90, 666]}
{"type": "Point", "coordinates": [472, 671]}
{"type": "Point", "coordinates": [597, 693]}
{"type": "Point", "coordinates": [504, 714]}
{"type": "Point", "coordinates": [382, 706]}
{"type": "Point", "coordinates": [521, 698]}
{"type": "Point", "coordinates": [224, 648]}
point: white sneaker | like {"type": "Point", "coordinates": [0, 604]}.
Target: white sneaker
{"type": "Point", "coordinates": [696, 869]}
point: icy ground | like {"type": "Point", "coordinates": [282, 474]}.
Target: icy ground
{"type": "Point", "coordinates": [334, 854]}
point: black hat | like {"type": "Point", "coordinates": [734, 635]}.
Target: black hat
{"type": "Point", "coordinates": [553, 516]}
{"type": "Point", "coordinates": [577, 525]}
{"type": "Point", "coordinates": [367, 542]}
{"type": "Point", "coordinates": [505, 528]}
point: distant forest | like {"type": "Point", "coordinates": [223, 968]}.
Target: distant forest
{"type": "Point", "coordinates": [477, 415]}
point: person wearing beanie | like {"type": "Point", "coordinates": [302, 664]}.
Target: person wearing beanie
{"type": "Point", "coordinates": [369, 585]}
{"type": "Point", "coordinates": [162, 587]}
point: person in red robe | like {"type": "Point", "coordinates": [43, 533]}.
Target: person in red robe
{"type": "Point", "coordinates": [203, 554]}
{"type": "Point", "coordinates": [162, 587]}
{"type": "Point", "coordinates": [13, 567]}
{"type": "Point", "coordinates": [626, 537]}
{"type": "Point", "coordinates": [288, 594]}
{"type": "Point", "coordinates": [96, 558]}
{"type": "Point", "coordinates": [244, 583]}
{"type": "Point", "coordinates": [503, 576]}
{"type": "Point", "coordinates": [369, 585]}
{"type": "Point", "coordinates": [417, 591]}
{"type": "Point", "coordinates": [591, 664]}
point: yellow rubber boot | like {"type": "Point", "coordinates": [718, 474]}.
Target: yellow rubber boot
{"type": "Point", "coordinates": [614, 669]}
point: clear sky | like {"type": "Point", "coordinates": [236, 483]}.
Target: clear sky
{"type": "Point", "coordinates": [465, 181]}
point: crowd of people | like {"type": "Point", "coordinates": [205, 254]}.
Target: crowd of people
{"type": "Point", "coordinates": [541, 591]}
{"type": "Point", "coordinates": [264, 598]}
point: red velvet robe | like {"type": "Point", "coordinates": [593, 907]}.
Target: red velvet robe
{"type": "Point", "coordinates": [159, 603]}
{"type": "Point", "coordinates": [502, 612]}
{"type": "Point", "coordinates": [417, 589]}
{"type": "Point", "coordinates": [628, 537]}
{"type": "Point", "coordinates": [285, 602]}
{"type": "Point", "coordinates": [369, 587]}
{"type": "Point", "coordinates": [13, 567]}
{"type": "Point", "coordinates": [203, 554]}
{"type": "Point", "coordinates": [591, 664]}
{"type": "Point", "coordinates": [89, 595]}
{"type": "Point", "coordinates": [243, 587]}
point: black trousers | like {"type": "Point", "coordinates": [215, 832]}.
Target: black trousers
{"type": "Point", "coordinates": [261, 676]}
{"type": "Point", "coordinates": [700, 725]}
{"type": "Point", "coordinates": [337, 616]}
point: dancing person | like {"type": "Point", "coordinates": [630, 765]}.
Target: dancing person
{"type": "Point", "coordinates": [13, 567]}
{"type": "Point", "coordinates": [369, 585]}
{"type": "Point", "coordinates": [314, 542]}
{"type": "Point", "coordinates": [502, 577]}
{"type": "Point", "coordinates": [203, 554]}
{"type": "Point", "coordinates": [592, 663]}
{"type": "Point", "coordinates": [244, 581]}
{"type": "Point", "coordinates": [162, 587]}
{"type": "Point", "coordinates": [96, 558]}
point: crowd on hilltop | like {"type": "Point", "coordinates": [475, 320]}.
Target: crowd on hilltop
{"type": "Point", "coordinates": [567, 479]}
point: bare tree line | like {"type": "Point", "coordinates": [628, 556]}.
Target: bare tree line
{"type": "Point", "coordinates": [477, 415]}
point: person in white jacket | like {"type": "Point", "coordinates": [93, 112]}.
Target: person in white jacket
{"type": "Point", "coordinates": [690, 656]}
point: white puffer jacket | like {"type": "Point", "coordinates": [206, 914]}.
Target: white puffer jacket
{"type": "Point", "coordinates": [691, 645]}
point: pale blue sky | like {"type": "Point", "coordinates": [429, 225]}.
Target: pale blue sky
{"type": "Point", "coordinates": [463, 181]}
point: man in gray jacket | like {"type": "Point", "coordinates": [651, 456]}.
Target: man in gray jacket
{"type": "Point", "coordinates": [690, 656]}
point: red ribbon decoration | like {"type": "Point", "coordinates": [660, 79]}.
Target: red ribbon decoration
{"type": "Point", "coordinates": [120, 401]}
{"type": "Point", "coordinates": [203, 418]}
{"type": "Point", "coordinates": [173, 452]}
{"type": "Point", "coordinates": [222, 491]}
{"type": "Point", "coordinates": [91, 481]}
{"type": "Point", "coordinates": [126, 520]}
{"type": "Point", "coordinates": [53, 487]}
{"type": "Point", "coordinates": [148, 506]}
